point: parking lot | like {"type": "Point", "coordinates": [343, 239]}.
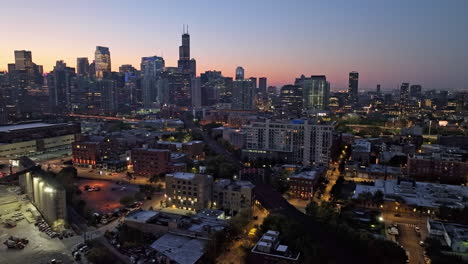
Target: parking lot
{"type": "Point", "coordinates": [108, 197]}
{"type": "Point", "coordinates": [40, 248]}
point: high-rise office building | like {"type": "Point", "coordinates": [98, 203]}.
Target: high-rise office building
{"type": "Point", "coordinates": [262, 85]}
{"type": "Point", "coordinates": [185, 64]}
{"type": "Point", "coordinates": [196, 92]}
{"type": "Point", "coordinates": [60, 83]}
{"type": "Point", "coordinates": [108, 96]}
{"type": "Point", "coordinates": [404, 95]}
{"type": "Point", "coordinates": [213, 86]}
{"type": "Point", "coordinates": [23, 60]}
{"type": "Point", "coordinates": [151, 68]}
{"type": "Point", "coordinates": [82, 66]}
{"type": "Point", "coordinates": [353, 87]}
{"type": "Point", "coordinates": [239, 73]}
{"type": "Point", "coordinates": [127, 68]}
{"type": "Point", "coordinates": [377, 90]}
{"type": "Point", "coordinates": [415, 90]}
{"type": "Point", "coordinates": [102, 62]}
{"type": "Point", "coordinates": [243, 95]}
{"type": "Point", "coordinates": [315, 91]}
{"type": "Point", "coordinates": [254, 83]}
{"type": "Point", "coordinates": [291, 99]}
{"type": "Point", "coordinates": [24, 68]}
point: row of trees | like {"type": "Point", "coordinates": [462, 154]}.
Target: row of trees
{"type": "Point", "coordinates": [328, 239]}
{"type": "Point", "coordinates": [220, 241]}
{"type": "Point", "coordinates": [456, 215]}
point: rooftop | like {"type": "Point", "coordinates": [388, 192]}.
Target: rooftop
{"type": "Point", "coordinates": [141, 216]}
{"type": "Point", "coordinates": [181, 249]}
{"type": "Point", "coordinates": [184, 175]}
{"type": "Point", "coordinates": [9, 128]}
{"type": "Point", "coordinates": [309, 173]}
{"type": "Point", "coordinates": [419, 193]}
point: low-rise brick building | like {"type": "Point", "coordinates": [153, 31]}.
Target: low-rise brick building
{"type": "Point", "coordinates": [149, 162]}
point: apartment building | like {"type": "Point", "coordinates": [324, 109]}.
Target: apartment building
{"type": "Point", "coordinates": [189, 191]}
{"type": "Point", "coordinates": [289, 141]}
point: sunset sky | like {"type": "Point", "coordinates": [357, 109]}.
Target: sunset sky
{"type": "Point", "coordinates": [387, 42]}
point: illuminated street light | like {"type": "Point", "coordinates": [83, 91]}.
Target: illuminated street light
{"type": "Point", "coordinates": [381, 219]}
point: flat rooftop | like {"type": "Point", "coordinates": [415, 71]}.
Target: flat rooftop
{"type": "Point", "coordinates": [184, 175]}
{"type": "Point", "coordinates": [181, 249]}
{"type": "Point", "coordinates": [9, 128]}
{"type": "Point", "coordinates": [309, 175]}
{"type": "Point", "coordinates": [420, 193]}
{"type": "Point", "coordinates": [141, 216]}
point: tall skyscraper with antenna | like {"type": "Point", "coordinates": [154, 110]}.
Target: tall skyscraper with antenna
{"type": "Point", "coordinates": [185, 64]}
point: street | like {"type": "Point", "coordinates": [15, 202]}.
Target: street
{"type": "Point", "coordinates": [408, 237]}
{"type": "Point", "coordinates": [332, 175]}
{"type": "Point", "coordinates": [235, 252]}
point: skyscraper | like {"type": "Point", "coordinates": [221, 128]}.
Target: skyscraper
{"type": "Point", "coordinates": [404, 95]}
{"type": "Point", "coordinates": [353, 87]}
{"type": "Point", "coordinates": [291, 99]}
{"type": "Point", "coordinates": [243, 95]}
{"type": "Point", "coordinates": [378, 89]}
{"type": "Point", "coordinates": [212, 87]}
{"type": "Point", "coordinates": [102, 62]}
{"type": "Point", "coordinates": [24, 72]}
{"type": "Point", "coordinates": [196, 92]}
{"type": "Point", "coordinates": [254, 82]}
{"type": "Point", "coordinates": [108, 96]}
{"type": "Point", "coordinates": [23, 60]}
{"type": "Point", "coordinates": [151, 68]}
{"type": "Point", "coordinates": [59, 82]}
{"type": "Point", "coordinates": [239, 73]}
{"type": "Point", "coordinates": [415, 90]}
{"type": "Point", "coordinates": [315, 91]}
{"type": "Point", "coordinates": [185, 64]}
{"type": "Point", "coordinates": [82, 66]}
{"type": "Point", "coordinates": [262, 85]}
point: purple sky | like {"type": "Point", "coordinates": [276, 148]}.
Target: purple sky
{"type": "Point", "coordinates": [387, 42]}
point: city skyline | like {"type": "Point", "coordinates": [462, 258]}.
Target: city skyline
{"type": "Point", "coordinates": [391, 44]}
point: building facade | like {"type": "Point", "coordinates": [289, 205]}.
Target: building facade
{"type": "Point", "coordinates": [102, 62]}
{"type": "Point", "coordinates": [36, 138]}
{"type": "Point", "coordinates": [302, 183]}
{"type": "Point", "coordinates": [148, 162]}
{"type": "Point", "coordinates": [296, 142]}
{"type": "Point", "coordinates": [243, 95]}
{"type": "Point", "coordinates": [189, 191]}
{"type": "Point", "coordinates": [232, 196]}
{"type": "Point", "coordinates": [353, 87]}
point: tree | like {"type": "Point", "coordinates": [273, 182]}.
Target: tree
{"type": "Point", "coordinates": [336, 189]}
{"type": "Point", "coordinates": [139, 196]}
{"type": "Point", "coordinates": [80, 206]}
{"type": "Point", "coordinates": [280, 182]}
{"type": "Point", "coordinates": [398, 161]}
{"type": "Point", "coordinates": [100, 254]}
{"type": "Point", "coordinates": [127, 200]}
{"type": "Point", "coordinates": [378, 197]}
